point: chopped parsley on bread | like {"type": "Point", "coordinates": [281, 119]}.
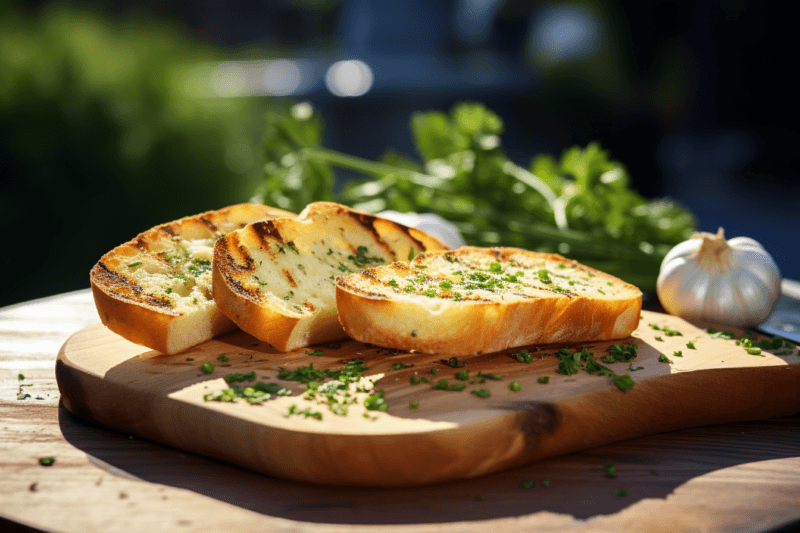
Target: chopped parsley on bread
{"type": "Point", "coordinates": [276, 278]}
{"type": "Point", "coordinates": [479, 300]}
{"type": "Point", "coordinates": [155, 290]}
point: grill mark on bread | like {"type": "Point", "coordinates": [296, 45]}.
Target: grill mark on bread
{"type": "Point", "coordinates": [265, 229]}
{"type": "Point", "coordinates": [168, 230]}
{"type": "Point", "coordinates": [236, 286]}
{"type": "Point", "coordinates": [289, 277]}
{"type": "Point", "coordinates": [368, 222]}
{"type": "Point", "coordinates": [210, 225]}
{"type": "Point", "coordinates": [128, 289]}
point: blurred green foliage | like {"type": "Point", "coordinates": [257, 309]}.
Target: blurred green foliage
{"type": "Point", "coordinates": [105, 132]}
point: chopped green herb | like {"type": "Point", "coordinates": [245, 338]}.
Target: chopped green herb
{"type": "Point", "coordinates": [293, 410]}
{"type": "Point", "coordinates": [190, 358]}
{"type": "Point", "coordinates": [136, 264]}
{"type": "Point", "coordinates": [610, 470]}
{"type": "Point", "coordinates": [623, 353]}
{"type": "Point", "coordinates": [515, 386]}
{"type": "Point", "coordinates": [593, 366]}
{"type": "Point", "coordinates": [23, 396]}
{"type": "Point", "coordinates": [527, 484]}
{"type": "Point", "coordinates": [546, 483]}
{"type": "Point", "coordinates": [398, 366]}
{"type": "Point", "coordinates": [544, 380]}
{"type": "Point", "coordinates": [623, 383]}
{"type": "Point", "coordinates": [443, 385]}
{"type": "Point", "coordinates": [620, 492]}
{"type": "Point", "coordinates": [430, 293]}
{"type": "Point", "coordinates": [434, 371]}
{"type": "Point", "coordinates": [630, 367]}
{"type": "Point", "coordinates": [678, 353]}
{"type": "Point", "coordinates": [47, 461]}
{"type": "Point", "coordinates": [413, 333]}
{"type": "Point", "coordinates": [462, 375]}
{"type": "Point", "coordinates": [663, 359]}
{"type": "Point", "coordinates": [315, 352]}
{"type": "Point", "coordinates": [392, 283]}
{"type": "Point", "coordinates": [344, 268]}
{"type": "Point", "coordinates": [453, 362]}
{"type": "Point", "coordinates": [482, 393]}
{"type": "Point", "coordinates": [659, 339]}
{"type": "Point", "coordinates": [494, 267]}
{"type": "Point", "coordinates": [235, 378]}
{"type": "Point", "coordinates": [457, 296]}
{"type": "Point", "coordinates": [690, 345]}
{"type": "Point", "coordinates": [653, 472]}
{"type": "Point", "coordinates": [524, 356]}
{"type": "Point", "coordinates": [207, 368]}
{"type": "Point", "coordinates": [223, 358]}
{"type": "Point", "coordinates": [20, 377]}
{"type": "Point", "coordinates": [415, 379]}
{"type": "Point", "coordinates": [544, 277]}
{"type": "Point", "coordinates": [411, 254]}
{"type": "Point", "coordinates": [168, 290]}
{"type": "Point", "coordinates": [601, 292]}
{"type": "Point", "coordinates": [608, 359]}
{"type": "Point", "coordinates": [445, 285]}
{"type": "Point", "coordinates": [292, 247]}
{"type": "Point", "coordinates": [363, 260]}
{"type": "Point", "coordinates": [376, 402]}
{"type": "Point", "coordinates": [493, 377]}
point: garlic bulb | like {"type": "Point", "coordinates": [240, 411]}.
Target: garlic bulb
{"type": "Point", "coordinates": [732, 282]}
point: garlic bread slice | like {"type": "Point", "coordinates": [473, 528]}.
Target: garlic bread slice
{"type": "Point", "coordinates": [478, 300]}
{"type": "Point", "coordinates": [155, 290]}
{"type": "Point", "coordinates": [276, 278]}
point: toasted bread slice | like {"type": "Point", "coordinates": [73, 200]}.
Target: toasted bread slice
{"type": "Point", "coordinates": [275, 278]}
{"type": "Point", "coordinates": [478, 300]}
{"type": "Point", "coordinates": [156, 289]}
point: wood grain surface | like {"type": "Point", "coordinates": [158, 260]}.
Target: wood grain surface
{"type": "Point", "coordinates": [731, 477]}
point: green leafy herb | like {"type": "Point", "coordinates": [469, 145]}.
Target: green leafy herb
{"type": "Point", "coordinates": [620, 492]}
{"type": "Point", "coordinates": [493, 377]}
{"type": "Point", "coordinates": [623, 383]}
{"type": "Point", "coordinates": [223, 358]}
{"type": "Point", "coordinates": [398, 366]}
{"type": "Point", "coordinates": [546, 483]}
{"type": "Point", "coordinates": [610, 470]}
{"type": "Point", "coordinates": [20, 377]}
{"type": "Point", "coordinates": [136, 264]}
{"type": "Point", "coordinates": [653, 472]}
{"type": "Point", "coordinates": [690, 345]}
{"type": "Point", "coordinates": [457, 296]}
{"type": "Point", "coordinates": [363, 260]}
{"type": "Point", "coordinates": [527, 484]}
{"type": "Point", "coordinates": [47, 461]}
{"type": "Point", "coordinates": [414, 405]}
{"type": "Point", "coordinates": [663, 359]}
{"type": "Point", "coordinates": [443, 385]}
{"type": "Point", "coordinates": [630, 367]}
{"type": "Point", "coordinates": [235, 378]}
{"type": "Point", "coordinates": [462, 375]}
{"type": "Point", "coordinates": [524, 356]}
{"type": "Point", "coordinates": [411, 254]}
{"type": "Point", "coordinates": [494, 267]}
{"type": "Point", "coordinates": [659, 339]}
{"type": "Point", "coordinates": [413, 333]}
{"type": "Point", "coordinates": [678, 353]}
{"type": "Point", "coordinates": [376, 402]}
{"type": "Point", "coordinates": [516, 386]}
{"type": "Point", "coordinates": [315, 352]}
{"type": "Point", "coordinates": [482, 393]}
{"type": "Point", "coordinates": [544, 276]}
{"type": "Point", "coordinates": [307, 412]}
{"type": "Point", "coordinates": [453, 362]}
{"type": "Point", "coordinates": [434, 371]}
{"type": "Point", "coordinates": [392, 283]}
{"type": "Point", "coordinates": [593, 366]}
{"type": "Point", "coordinates": [623, 353]}
{"type": "Point", "coordinates": [445, 285]}
{"type": "Point", "coordinates": [415, 379]}
{"type": "Point", "coordinates": [544, 380]}
{"type": "Point", "coordinates": [207, 368]}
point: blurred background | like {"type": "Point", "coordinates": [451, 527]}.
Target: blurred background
{"type": "Point", "coordinates": [118, 115]}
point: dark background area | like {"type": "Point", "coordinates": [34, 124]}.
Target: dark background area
{"type": "Point", "coordinates": [105, 130]}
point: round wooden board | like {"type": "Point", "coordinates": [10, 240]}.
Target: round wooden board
{"type": "Point", "coordinates": [450, 435]}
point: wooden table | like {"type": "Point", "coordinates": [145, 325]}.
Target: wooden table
{"type": "Point", "coordinates": [738, 477]}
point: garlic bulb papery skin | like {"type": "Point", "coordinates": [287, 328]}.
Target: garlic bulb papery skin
{"type": "Point", "coordinates": [733, 282]}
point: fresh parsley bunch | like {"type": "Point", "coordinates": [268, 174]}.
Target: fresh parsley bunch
{"type": "Point", "coordinates": [580, 205]}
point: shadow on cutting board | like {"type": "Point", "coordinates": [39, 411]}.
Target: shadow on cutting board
{"type": "Point", "coordinates": [574, 485]}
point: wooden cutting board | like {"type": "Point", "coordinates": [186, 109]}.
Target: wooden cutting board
{"type": "Point", "coordinates": [450, 435]}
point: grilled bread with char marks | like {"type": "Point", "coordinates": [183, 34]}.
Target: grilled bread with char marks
{"type": "Point", "coordinates": [275, 278]}
{"type": "Point", "coordinates": [156, 289]}
{"type": "Point", "coordinates": [479, 300]}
